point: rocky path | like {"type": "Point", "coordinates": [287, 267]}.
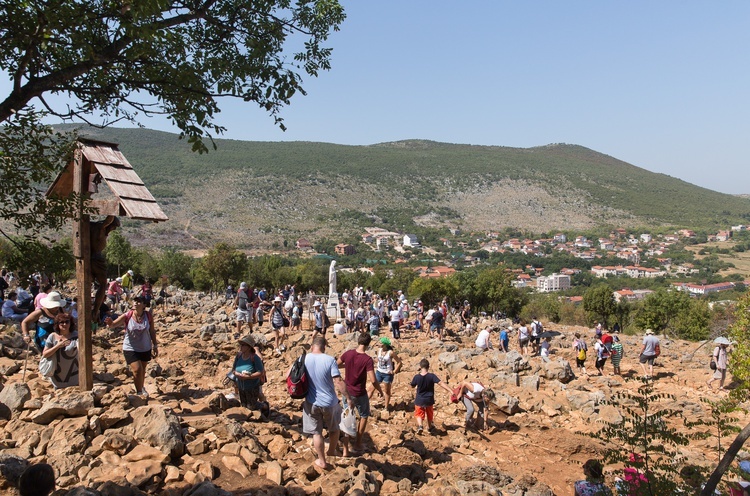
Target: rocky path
{"type": "Point", "coordinates": [191, 437]}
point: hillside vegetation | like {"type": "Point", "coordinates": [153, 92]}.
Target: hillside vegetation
{"type": "Point", "coordinates": [254, 193]}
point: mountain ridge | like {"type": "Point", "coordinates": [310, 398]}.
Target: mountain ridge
{"type": "Point", "coordinates": [254, 194]}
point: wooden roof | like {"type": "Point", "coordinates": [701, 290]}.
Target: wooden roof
{"type": "Point", "coordinates": [134, 200]}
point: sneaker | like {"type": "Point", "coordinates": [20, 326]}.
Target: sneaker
{"type": "Point", "coordinates": [419, 430]}
{"type": "Point", "coordinates": [433, 429]}
{"type": "Point", "coordinates": [144, 393]}
{"type": "Point", "coordinates": [277, 351]}
{"type": "Point", "coordinates": [282, 347]}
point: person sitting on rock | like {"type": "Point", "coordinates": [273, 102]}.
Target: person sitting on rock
{"type": "Point", "coordinates": [62, 344]}
{"type": "Point", "coordinates": [10, 309]}
{"type": "Point", "coordinates": [474, 393]}
{"type": "Point", "coordinates": [593, 485]}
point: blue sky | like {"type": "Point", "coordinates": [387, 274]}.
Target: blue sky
{"type": "Point", "coordinates": [662, 85]}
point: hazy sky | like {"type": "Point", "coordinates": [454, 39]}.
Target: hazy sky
{"type": "Point", "coordinates": [662, 85]}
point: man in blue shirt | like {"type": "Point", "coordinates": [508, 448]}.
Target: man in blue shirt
{"type": "Point", "coordinates": [321, 409]}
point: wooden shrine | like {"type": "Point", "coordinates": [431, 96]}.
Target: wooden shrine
{"type": "Point", "coordinates": [95, 162]}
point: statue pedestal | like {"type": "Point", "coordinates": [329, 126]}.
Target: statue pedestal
{"type": "Point", "coordinates": [332, 307]}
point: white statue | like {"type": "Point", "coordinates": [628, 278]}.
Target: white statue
{"type": "Point", "coordinates": [332, 278]}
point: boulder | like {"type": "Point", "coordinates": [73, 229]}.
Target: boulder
{"type": "Point", "coordinates": [13, 396]}
{"type": "Point", "coordinates": [558, 370]}
{"type": "Point", "coordinates": [158, 426]}
{"type": "Point", "coordinates": [68, 402]}
{"type": "Point", "coordinates": [11, 468]}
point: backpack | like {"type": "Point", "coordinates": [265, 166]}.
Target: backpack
{"type": "Point", "coordinates": [297, 380]}
{"type": "Point", "coordinates": [581, 354]}
{"type": "Point", "coordinates": [326, 320]}
{"type": "Point", "coordinates": [539, 327]}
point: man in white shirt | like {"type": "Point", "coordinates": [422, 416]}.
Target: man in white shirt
{"type": "Point", "coordinates": [483, 340]}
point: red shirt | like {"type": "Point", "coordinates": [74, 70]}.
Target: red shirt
{"type": "Point", "coordinates": [356, 366]}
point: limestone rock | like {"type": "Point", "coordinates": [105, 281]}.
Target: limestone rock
{"type": "Point", "coordinates": [274, 472]}
{"type": "Point", "coordinates": [14, 396]}
{"type": "Point", "coordinates": [236, 464]}
{"type": "Point", "coordinates": [160, 427]}
{"type": "Point", "coordinates": [11, 468]}
{"type": "Point", "coordinates": [67, 402]}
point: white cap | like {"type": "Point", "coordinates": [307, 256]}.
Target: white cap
{"type": "Point", "coordinates": [131, 273]}
{"type": "Point", "coordinates": [277, 299]}
{"type": "Point", "coordinates": [316, 304]}
{"type": "Point", "coordinates": [243, 285]}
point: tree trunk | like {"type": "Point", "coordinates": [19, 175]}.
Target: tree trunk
{"type": "Point", "coordinates": [726, 461]}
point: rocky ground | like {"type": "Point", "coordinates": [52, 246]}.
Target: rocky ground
{"type": "Point", "coordinates": [190, 437]}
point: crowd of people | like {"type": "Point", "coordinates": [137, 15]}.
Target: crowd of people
{"type": "Point", "coordinates": [348, 382]}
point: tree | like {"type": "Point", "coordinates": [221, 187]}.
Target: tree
{"type": "Point", "coordinates": [175, 265]}
{"type": "Point", "coordinates": [739, 366]}
{"type": "Point", "coordinates": [599, 302]}
{"type": "Point", "coordinates": [223, 262]}
{"type": "Point", "coordinates": [119, 251]}
{"type": "Point", "coordinates": [127, 60]}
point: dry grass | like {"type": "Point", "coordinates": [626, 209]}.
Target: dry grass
{"type": "Point", "coordinates": [740, 260]}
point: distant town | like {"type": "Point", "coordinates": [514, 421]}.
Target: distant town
{"type": "Point", "coordinates": [643, 255]}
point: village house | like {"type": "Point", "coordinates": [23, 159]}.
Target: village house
{"type": "Point", "coordinates": [739, 228]}
{"type": "Point", "coordinates": [646, 238]}
{"type": "Point", "coordinates": [560, 238]}
{"type": "Point", "coordinates": [304, 245]}
{"type": "Point", "coordinates": [344, 249]}
{"type": "Point", "coordinates": [434, 272]}
{"type": "Point", "coordinates": [411, 241]}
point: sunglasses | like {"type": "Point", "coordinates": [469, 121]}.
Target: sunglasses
{"type": "Point", "coordinates": [66, 322]}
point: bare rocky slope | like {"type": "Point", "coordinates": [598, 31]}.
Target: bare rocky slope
{"type": "Point", "coordinates": [254, 194]}
{"type": "Point", "coordinates": [190, 438]}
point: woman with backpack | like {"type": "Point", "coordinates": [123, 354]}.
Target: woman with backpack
{"type": "Point", "coordinates": [602, 353]}
{"type": "Point", "coordinates": [139, 345]}
{"type": "Point", "coordinates": [580, 347]}
{"type": "Point", "coordinates": [42, 319]}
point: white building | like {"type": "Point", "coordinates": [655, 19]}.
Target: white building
{"type": "Point", "coordinates": [411, 240]}
{"type": "Point", "coordinates": [645, 238]}
{"type": "Point", "coordinates": [554, 282]}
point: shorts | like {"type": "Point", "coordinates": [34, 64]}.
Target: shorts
{"type": "Point", "coordinates": [424, 411]}
{"type": "Point", "coordinates": [580, 363]}
{"type": "Point", "coordinates": [320, 330]}
{"type": "Point", "coordinates": [524, 341]}
{"type": "Point", "coordinates": [435, 327]}
{"type": "Point", "coordinates": [276, 327]}
{"type": "Point", "coordinates": [361, 404]}
{"type": "Point", "coordinates": [136, 356]}
{"type": "Point", "coordinates": [647, 359]}
{"type": "Point", "coordinates": [535, 339]}
{"type": "Point", "coordinates": [317, 418]}
{"type": "Point", "coordinates": [383, 377]}
{"type": "Point", "coordinates": [244, 316]}
{"type": "Point", "coordinates": [600, 363]}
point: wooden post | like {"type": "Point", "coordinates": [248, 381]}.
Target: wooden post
{"type": "Point", "coordinates": [82, 254]}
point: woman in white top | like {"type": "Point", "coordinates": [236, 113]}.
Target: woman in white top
{"type": "Point", "coordinates": [523, 338]}
{"type": "Point", "coordinates": [722, 360]}
{"type": "Point", "coordinates": [386, 369]}
{"type": "Point", "coordinates": [474, 393]}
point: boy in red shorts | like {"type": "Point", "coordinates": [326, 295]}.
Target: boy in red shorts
{"type": "Point", "coordinates": [425, 383]}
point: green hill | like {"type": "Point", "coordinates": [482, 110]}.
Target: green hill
{"type": "Point", "coordinates": [254, 193]}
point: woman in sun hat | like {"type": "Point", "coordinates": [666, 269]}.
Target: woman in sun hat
{"type": "Point", "coordinates": [249, 370]}
{"type": "Point", "coordinates": [278, 323]}
{"type": "Point", "coordinates": [386, 370]}
{"type": "Point", "coordinates": [43, 319]}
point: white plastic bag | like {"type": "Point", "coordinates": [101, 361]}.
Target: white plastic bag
{"type": "Point", "coordinates": [348, 423]}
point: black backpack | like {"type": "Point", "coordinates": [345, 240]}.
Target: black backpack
{"type": "Point", "coordinates": [297, 381]}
